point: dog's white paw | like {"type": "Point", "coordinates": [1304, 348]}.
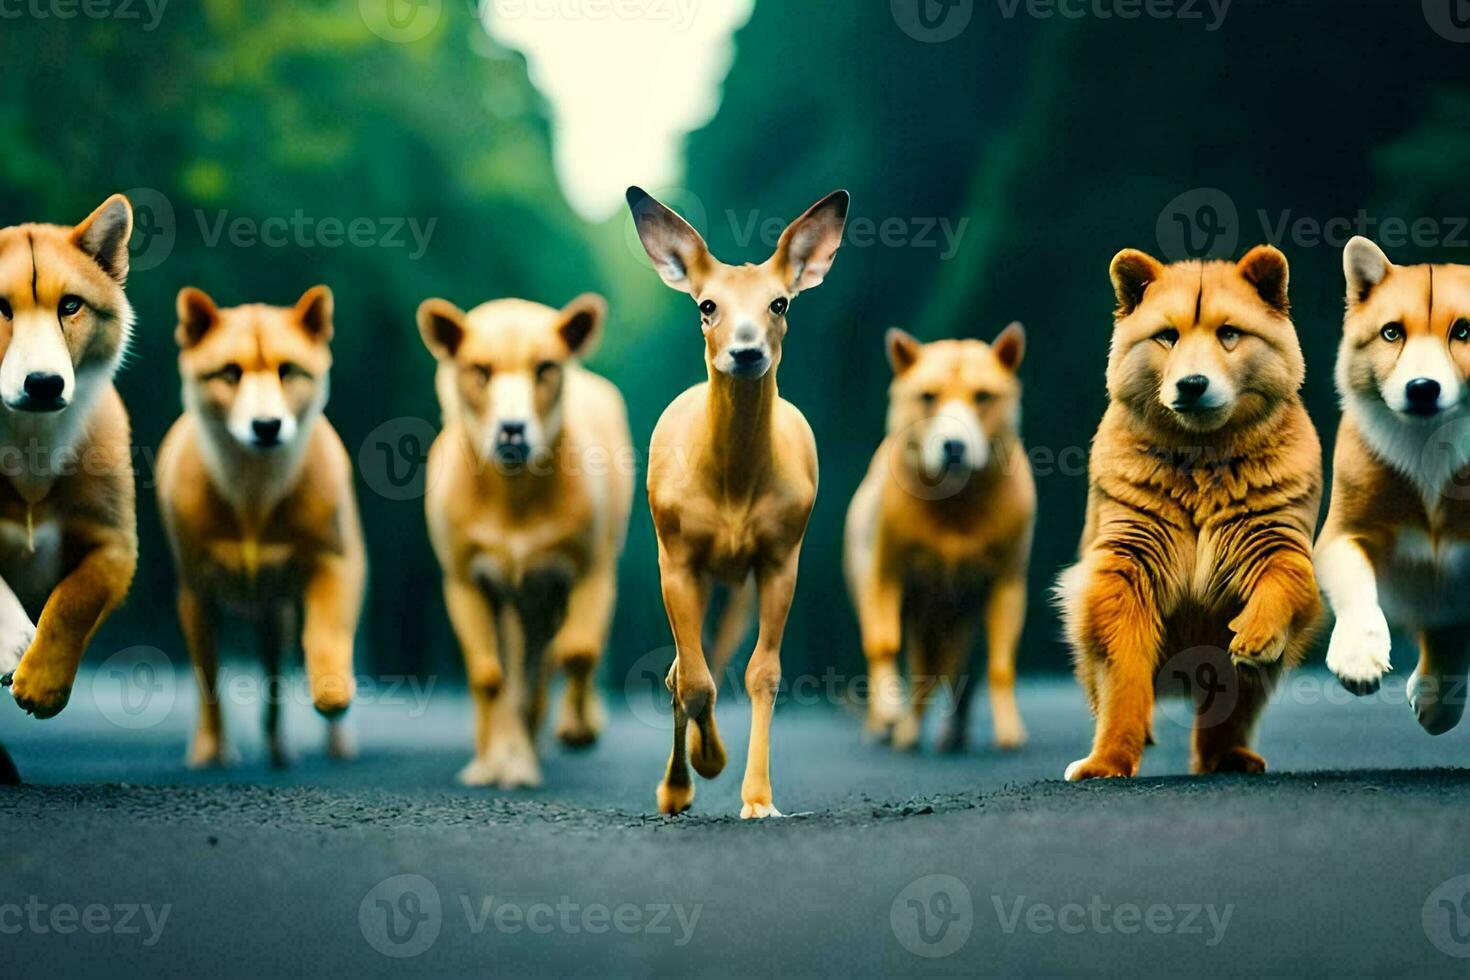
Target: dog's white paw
{"type": "Point", "coordinates": [15, 640]}
{"type": "Point", "coordinates": [503, 768]}
{"type": "Point", "coordinates": [1359, 651]}
{"type": "Point", "coordinates": [758, 811]}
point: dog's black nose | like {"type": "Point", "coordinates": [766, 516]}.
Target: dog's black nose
{"type": "Point", "coordinates": [1423, 396]}
{"type": "Point", "coordinates": [267, 431]}
{"type": "Point", "coordinates": [954, 451]}
{"type": "Point", "coordinates": [1193, 388]}
{"type": "Point", "coordinates": [512, 431]}
{"type": "Point", "coordinates": [748, 356]}
{"type": "Point", "coordinates": [44, 390]}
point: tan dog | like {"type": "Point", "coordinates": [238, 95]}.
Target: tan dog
{"type": "Point", "coordinates": [530, 487]}
{"type": "Point", "coordinates": [1396, 546]}
{"type": "Point", "coordinates": [68, 524]}
{"type": "Point", "coordinates": [1205, 485]}
{"type": "Point", "coordinates": [939, 533]}
{"type": "Point", "coordinates": [732, 477]}
{"type": "Point", "coordinates": [255, 488]}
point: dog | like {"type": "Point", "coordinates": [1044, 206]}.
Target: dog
{"type": "Point", "coordinates": [530, 489]}
{"type": "Point", "coordinates": [1205, 484]}
{"type": "Point", "coordinates": [256, 492]}
{"type": "Point", "coordinates": [939, 535]}
{"type": "Point", "coordinates": [732, 477]}
{"type": "Point", "coordinates": [68, 519]}
{"type": "Point", "coordinates": [1395, 549]}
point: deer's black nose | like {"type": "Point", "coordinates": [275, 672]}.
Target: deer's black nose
{"type": "Point", "coordinates": [1423, 396]}
{"type": "Point", "coordinates": [43, 391]}
{"type": "Point", "coordinates": [1192, 388]}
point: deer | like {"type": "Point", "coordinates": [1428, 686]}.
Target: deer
{"type": "Point", "coordinates": [732, 478]}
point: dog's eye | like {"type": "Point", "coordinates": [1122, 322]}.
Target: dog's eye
{"type": "Point", "coordinates": [69, 305]}
{"type": "Point", "coordinates": [929, 398]}
{"type": "Point", "coordinates": [1168, 336]}
{"type": "Point", "coordinates": [1393, 332]}
{"type": "Point", "coordinates": [5, 310]}
{"type": "Point", "coordinates": [481, 374]}
{"type": "Point", "coordinates": [1461, 330]}
{"type": "Point", "coordinates": [546, 369]}
{"type": "Point", "coordinates": [778, 306]}
{"type": "Point", "coordinates": [1229, 337]}
{"type": "Point", "coordinates": [230, 373]}
{"type": "Point", "coordinates": [708, 307]}
{"type": "Point", "coordinates": [981, 397]}
{"type": "Point", "coordinates": [289, 371]}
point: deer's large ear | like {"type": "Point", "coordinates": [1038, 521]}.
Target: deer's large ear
{"type": "Point", "coordinates": [1010, 346]}
{"type": "Point", "coordinates": [903, 349]}
{"type": "Point", "coordinates": [809, 244]}
{"type": "Point", "coordinates": [314, 311]}
{"type": "Point", "coordinates": [104, 235]}
{"type": "Point", "coordinates": [678, 252]}
{"type": "Point", "coordinates": [1265, 268]}
{"type": "Point", "coordinates": [1132, 271]}
{"type": "Point", "coordinates": [581, 324]}
{"type": "Point", "coordinates": [1364, 265]}
{"type": "Point", "coordinates": [197, 316]}
{"type": "Point", "coordinates": [442, 325]}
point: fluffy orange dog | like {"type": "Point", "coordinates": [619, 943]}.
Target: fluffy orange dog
{"type": "Point", "coordinates": [529, 494]}
{"type": "Point", "coordinates": [1396, 545]}
{"type": "Point", "coordinates": [68, 529]}
{"type": "Point", "coordinates": [940, 530]}
{"type": "Point", "coordinates": [1206, 482]}
{"type": "Point", "coordinates": [256, 493]}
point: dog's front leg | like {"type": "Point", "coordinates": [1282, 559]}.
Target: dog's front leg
{"type": "Point", "coordinates": [1359, 651]}
{"type": "Point", "coordinates": [475, 628]}
{"type": "Point", "coordinates": [577, 648]}
{"type": "Point", "coordinates": [43, 680]}
{"type": "Point", "coordinates": [1280, 600]}
{"type": "Point", "coordinates": [331, 603]}
{"type": "Point", "coordinates": [880, 617]}
{"type": "Point", "coordinates": [16, 630]}
{"type": "Point", "coordinates": [1005, 615]}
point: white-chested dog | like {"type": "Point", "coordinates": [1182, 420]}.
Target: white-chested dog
{"type": "Point", "coordinates": [1396, 546]}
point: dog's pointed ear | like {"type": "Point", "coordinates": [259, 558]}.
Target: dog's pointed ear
{"type": "Point", "coordinates": [104, 235]}
{"type": "Point", "coordinates": [197, 316]}
{"type": "Point", "coordinates": [581, 324]}
{"type": "Point", "coordinates": [806, 249]}
{"type": "Point", "coordinates": [1132, 271]}
{"type": "Point", "coordinates": [1364, 265]}
{"type": "Point", "coordinates": [1265, 268]}
{"type": "Point", "coordinates": [1010, 346]}
{"type": "Point", "coordinates": [903, 350]}
{"type": "Point", "coordinates": [677, 250]}
{"type": "Point", "coordinates": [314, 312]}
{"type": "Point", "coordinates": [442, 325]}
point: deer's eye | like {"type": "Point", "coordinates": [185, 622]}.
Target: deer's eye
{"type": "Point", "coordinates": [1167, 336]}
{"type": "Point", "coordinates": [1392, 332]}
{"type": "Point", "coordinates": [69, 305]}
{"type": "Point", "coordinates": [708, 307]}
{"type": "Point", "coordinates": [1461, 330]}
{"type": "Point", "coordinates": [778, 305]}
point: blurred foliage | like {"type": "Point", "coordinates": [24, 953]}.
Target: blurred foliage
{"type": "Point", "coordinates": [1042, 146]}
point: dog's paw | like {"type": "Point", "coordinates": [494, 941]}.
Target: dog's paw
{"type": "Point", "coordinates": [13, 645]}
{"type": "Point", "coordinates": [1359, 651]}
{"type": "Point", "coordinates": [209, 751]}
{"type": "Point", "coordinates": [1010, 733]}
{"type": "Point", "coordinates": [905, 736]}
{"type": "Point", "coordinates": [40, 689]}
{"type": "Point", "coordinates": [341, 743]}
{"type": "Point", "coordinates": [758, 811]}
{"type": "Point", "coordinates": [579, 726]}
{"type": "Point", "coordinates": [479, 772]}
{"type": "Point", "coordinates": [1256, 643]}
{"type": "Point", "coordinates": [1237, 759]}
{"type": "Point", "coordinates": [331, 693]}
{"type": "Point", "coordinates": [1100, 767]}
{"type": "Point", "coordinates": [1438, 704]}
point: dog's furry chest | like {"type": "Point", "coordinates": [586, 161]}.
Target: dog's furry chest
{"type": "Point", "coordinates": [1423, 579]}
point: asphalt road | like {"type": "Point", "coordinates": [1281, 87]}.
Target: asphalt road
{"type": "Point", "coordinates": [1347, 859]}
